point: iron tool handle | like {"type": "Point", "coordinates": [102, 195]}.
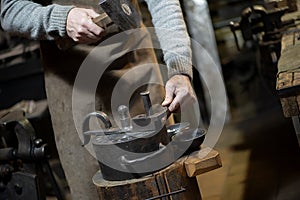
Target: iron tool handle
{"type": "Point", "coordinates": [234, 26]}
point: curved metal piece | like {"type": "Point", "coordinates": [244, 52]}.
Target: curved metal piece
{"type": "Point", "coordinates": [86, 124]}
{"type": "Point", "coordinates": [192, 137]}
{"type": "Point", "coordinates": [256, 9]}
{"type": "Point", "coordinates": [29, 146]}
{"type": "Point", "coordinates": [26, 135]}
{"type": "Point", "coordinates": [128, 162]}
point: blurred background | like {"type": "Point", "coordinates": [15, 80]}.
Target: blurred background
{"type": "Point", "coordinates": [258, 146]}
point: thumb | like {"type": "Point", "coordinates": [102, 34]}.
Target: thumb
{"type": "Point", "coordinates": [92, 13]}
{"type": "Point", "coordinates": [169, 97]}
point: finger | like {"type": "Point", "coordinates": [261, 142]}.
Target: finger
{"type": "Point", "coordinates": [90, 25]}
{"type": "Point", "coordinates": [177, 101]}
{"type": "Point", "coordinates": [177, 110]}
{"type": "Point", "coordinates": [169, 96]}
{"type": "Point", "coordinates": [94, 28]}
{"type": "Point", "coordinates": [81, 38]}
{"type": "Point", "coordinates": [86, 40]}
{"type": "Point", "coordinates": [84, 36]}
{"type": "Point", "coordinates": [175, 104]}
{"type": "Point", "coordinates": [182, 99]}
{"type": "Point", "coordinates": [92, 36]}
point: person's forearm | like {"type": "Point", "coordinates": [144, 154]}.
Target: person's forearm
{"type": "Point", "coordinates": [174, 40]}
{"type": "Point", "coordinates": [33, 20]}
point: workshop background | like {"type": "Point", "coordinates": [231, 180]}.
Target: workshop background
{"type": "Point", "coordinates": [258, 146]}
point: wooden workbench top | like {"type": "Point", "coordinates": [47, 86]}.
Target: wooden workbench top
{"type": "Point", "coordinates": [288, 77]}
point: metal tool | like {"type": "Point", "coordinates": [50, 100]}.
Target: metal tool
{"type": "Point", "coordinates": [262, 27]}
{"type": "Point", "coordinates": [139, 134]}
{"type": "Point", "coordinates": [23, 158]}
{"type": "Point", "coordinates": [258, 24]}
{"type": "Point", "coordinates": [147, 102]}
{"type": "Point", "coordinates": [147, 136]}
{"type": "Point", "coordinates": [122, 13]}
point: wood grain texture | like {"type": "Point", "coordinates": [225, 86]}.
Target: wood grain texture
{"type": "Point", "coordinates": [173, 179]}
{"type": "Point", "coordinates": [288, 77]}
{"type": "Point", "coordinates": [178, 178]}
{"type": "Point", "coordinates": [202, 161]}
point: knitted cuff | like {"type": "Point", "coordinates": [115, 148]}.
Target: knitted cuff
{"type": "Point", "coordinates": [59, 18]}
{"type": "Point", "coordinates": [179, 65]}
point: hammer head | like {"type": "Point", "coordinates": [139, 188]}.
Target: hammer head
{"type": "Point", "coordinates": [122, 13]}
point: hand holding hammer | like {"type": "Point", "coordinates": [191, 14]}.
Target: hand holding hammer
{"type": "Point", "coordinates": [87, 26]}
{"type": "Point", "coordinates": [81, 28]}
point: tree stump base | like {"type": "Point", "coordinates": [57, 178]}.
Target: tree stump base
{"type": "Point", "coordinates": [172, 182]}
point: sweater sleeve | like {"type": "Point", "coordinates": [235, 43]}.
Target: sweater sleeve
{"type": "Point", "coordinates": [33, 20]}
{"type": "Point", "coordinates": [172, 35]}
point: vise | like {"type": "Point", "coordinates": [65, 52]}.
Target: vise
{"type": "Point", "coordinates": [262, 27]}
{"type": "Point", "coordinates": [260, 24]}
{"type": "Point", "coordinates": [23, 160]}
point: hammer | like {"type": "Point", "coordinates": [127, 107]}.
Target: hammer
{"type": "Point", "coordinates": [121, 13]}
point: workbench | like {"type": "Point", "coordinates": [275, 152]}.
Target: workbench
{"type": "Point", "coordinates": [288, 77]}
{"type": "Point", "coordinates": [177, 181]}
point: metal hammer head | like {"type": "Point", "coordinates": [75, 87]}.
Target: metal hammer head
{"type": "Point", "coordinates": [122, 13]}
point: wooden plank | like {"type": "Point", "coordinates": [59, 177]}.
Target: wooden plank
{"type": "Point", "coordinates": [287, 61]}
{"type": "Point", "coordinates": [288, 78]}
{"type": "Point", "coordinates": [284, 80]}
{"type": "Point", "coordinates": [287, 41]}
{"type": "Point", "coordinates": [202, 161]}
{"type": "Point", "coordinates": [290, 106]}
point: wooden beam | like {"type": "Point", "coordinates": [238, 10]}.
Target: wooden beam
{"type": "Point", "coordinates": [202, 161]}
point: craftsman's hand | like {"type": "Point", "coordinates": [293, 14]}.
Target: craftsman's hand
{"type": "Point", "coordinates": [179, 93]}
{"type": "Point", "coordinates": [80, 26]}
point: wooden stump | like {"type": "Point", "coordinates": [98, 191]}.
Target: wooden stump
{"type": "Point", "coordinates": [176, 182]}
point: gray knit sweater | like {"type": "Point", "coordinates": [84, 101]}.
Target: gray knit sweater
{"type": "Point", "coordinates": [49, 22]}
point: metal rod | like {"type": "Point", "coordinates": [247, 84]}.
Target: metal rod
{"type": "Point", "coordinates": [58, 190]}
{"type": "Point", "coordinates": [169, 194]}
{"type": "Point", "coordinates": [147, 102]}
